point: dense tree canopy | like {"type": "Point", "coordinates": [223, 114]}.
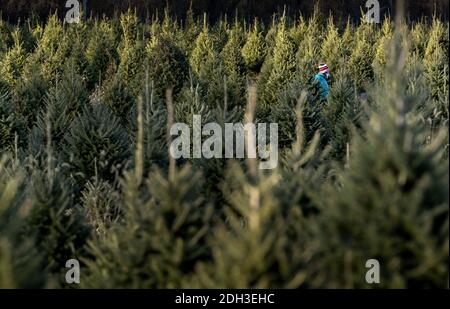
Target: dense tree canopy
{"type": "Point", "coordinates": [264, 9]}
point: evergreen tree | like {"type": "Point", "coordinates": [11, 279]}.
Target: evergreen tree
{"type": "Point", "coordinates": [379, 62]}
{"type": "Point", "coordinates": [21, 265]}
{"type": "Point", "coordinates": [100, 52]}
{"type": "Point", "coordinates": [52, 49]}
{"type": "Point", "coordinates": [5, 36]}
{"type": "Point", "coordinates": [56, 222]}
{"type": "Point", "coordinates": [168, 66]}
{"type": "Point", "coordinates": [360, 61]}
{"type": "Point", "coordinates": [331, 48]}
{"type": "Point", "coordinates": [309, 51]}
{"type": "Point", "coordinates": [253, 51]}
{"type": "Point", "coordinates": [233, 63]}
{"type": "Point", "coordinates": [202, 59]}
{"type": "Point", "coordinates": [13, 62]}
{"type": "Point", "coordinates": [100, 203]}
{"type": "Point", "coordinates": [29, 92]}
{"type": "Point", "coordinates": [162, 238]}
{"type": "Point", "coordinates": [12, 126]}
{"type": "Point", "coordinates": [343, 113]}
{"type": "Point", "coordinates": [391, 204]}
{"type": "Point", "coordinates": [283, 66]}
{"type": "Point", "coordinates": [419, 39]}
{"type": "Point", "coordinates": [96, 145]}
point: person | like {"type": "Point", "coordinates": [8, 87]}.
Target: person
{"type": "Point", "coordinates": [323, 77]}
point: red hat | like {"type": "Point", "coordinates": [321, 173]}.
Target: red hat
{"type": "Point", "coordinates": [323, 68]}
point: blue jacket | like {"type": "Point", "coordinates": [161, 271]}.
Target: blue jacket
{"type": "Point", "coordinates": [324, 88]}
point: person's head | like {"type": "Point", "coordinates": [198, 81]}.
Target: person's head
{"type": "Point", "coordinates": [323, 69]}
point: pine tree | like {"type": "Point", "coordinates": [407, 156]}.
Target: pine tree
{"type": "Point", "coordinates": [332, 50]}
{"type": "Point", "coordinates": [162, 237]}
{"type": "Point", "coordinates": [21, 265]}
{"type": "Point", "coordinates": [391, 204]}
{"type": "Point", "coordinates": [436, 65]}
{"type": "Point", "coordinates": [167, 65]}
{"type": "Point", "coordinates": [253, 51]}
{"type": "Point", "coordinates": [283, 67]}
{"type": "Point", "coordinates": [380, 60]}
{"type": "Point", "coordinates": [250, 249]}
{"type": "Point", "coordinates": [344, 113]}
{"type": "Point", "coordinates": [348, 41]}
{"type": "Point", "coordinates": [12, 126]}
{"type": "Point", "coordinates": [56, 222]}
{"type": "Point", "coordinates": [96, 145]}
{"type": "Point", "coordinates": [63, 102]}
{"type": "Point", "coordinates": [360, 61]}
{"type": "Point", "coordinates": [13, 61]}
{"type": "Point", "coordinates": [309, 51]}
{"type": "Point", "coordinates": [5, 36]}
{"type": "Point", "coordinates": [202, 59]}
{"type": "Point", "coordinates": [190, 32]}
{"type": "Point", "coordinates": [131, 57]}
{"type": "Point", "coordinates": [100, 52]}
{"type": "Point", "coordinates": [52, 49]}
{"type": "Point", "coordinates": [100, 203]}
{"type": "Point", "coordinates": [233, 63]}
{"type": "Point", "coordinates": [419, 39]}
{"type": "Point", "coordinates": [29, 92]}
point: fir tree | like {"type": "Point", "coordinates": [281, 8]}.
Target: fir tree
{"type": "Point", "coordinates": [283, 66]}
{"type": "Point", "coordinates": [100, 52]}
{"type": "Point", "coordinates": [96, 145]}
{"type": "Point", "coordinates": [21, 265]}
{"type": "Point", "coordinates": [167, 65]}
{"type": "Point", "coordinates": [380, 60]}
{"type": "Point", "coordinates": [202, 59]}
{"type": "Point", "coordinates": [12, 126]}
{"type": "Point", "coordinates": [391, 204]}
{"type": "Point", "coordinates": [13, 62]}
{"type": "Point", "coordinates": [331, 48]}
{"type": "Point", "coordinates": [162, 238]}
{"type": "Point", "coordinates": [360, 61]}
{"type": "Point", "coordinates": [253, 51]}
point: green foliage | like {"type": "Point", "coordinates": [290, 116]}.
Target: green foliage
{"type": "Point", "coordinates": [21, 265]}
{"type": "Point", "coordinates": [253, 51]}
{"type": "Point", "coordinates": [168, 66]}
{"type": "Point", "coordinates": [162, 237]}
{"type": "Point", "coordinates": [362, 174]}
{"type": "Point", "coordinates": [5, 36]}
{"type": "Point", "coordinates": [56, 222]}
{"type": "Point", "coordinates": [28, 94]}
{"type": "Point", "coordinates": [391, 204]}
{"type": "Point", "coordinates": [332, 49]}
{"type": "Point", "coordinates": [100, 205]}
{"type": "Point", "coordinates": [379, 62]}
{"type": "Point", "coordinates": [309, 50]}
{"type": "Point", "coordinates": [360, 62]}
{"type": "Point", "coordinates": [96, 145]}
{"type": "Point", "coordinates": [202, 59]}
{"type": "Point", "coordinates": [13, 62]}
{"type": "Point", "coordinates": [283, 66]}
{"type": "Point", "coordinates": [343, 113]}
{"type": "Point", "coordinates": [12, 126]}
{"type": "Point", "coordinates": [100, 52]}
{"type": "Point", "coordinates": [252, 248]}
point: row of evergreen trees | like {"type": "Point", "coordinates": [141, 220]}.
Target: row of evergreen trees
{"type": "Point", "coordinates": [85, 171]}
